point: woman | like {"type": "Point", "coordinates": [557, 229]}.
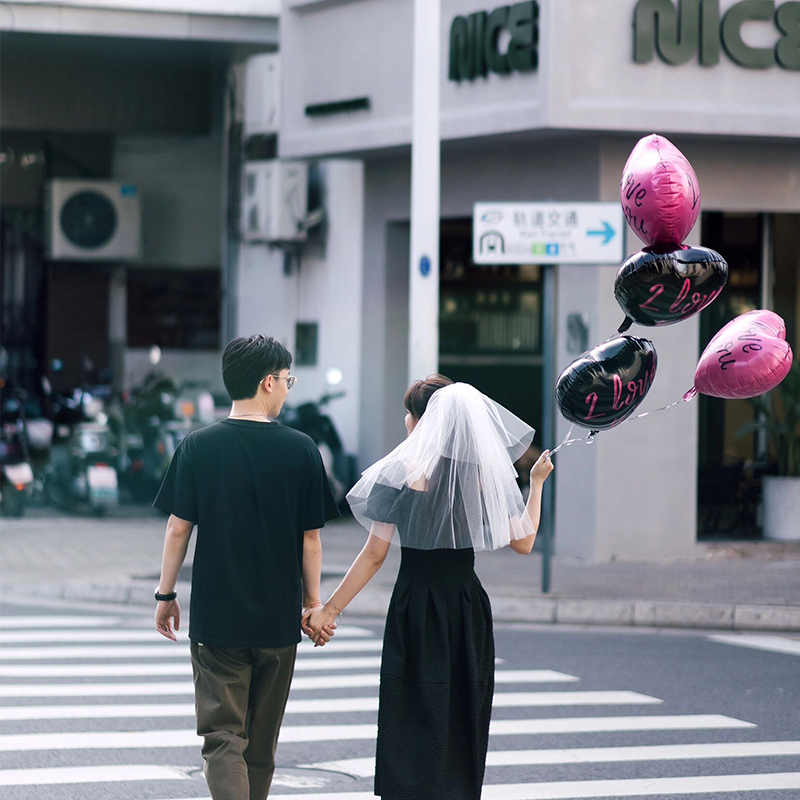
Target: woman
{"type": "Point", "coordinates": [449, 489]}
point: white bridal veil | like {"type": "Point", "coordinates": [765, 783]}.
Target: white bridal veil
{"type": "Point", "coordinates": [451, 483]}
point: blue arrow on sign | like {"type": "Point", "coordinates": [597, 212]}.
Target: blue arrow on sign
{"type": "Point", "coordinates": [608, 233]}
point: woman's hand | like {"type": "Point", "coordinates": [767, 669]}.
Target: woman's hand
{"type": "Point", "coordinates": [542, 468]}
{"type": "Point", "coordinates": [321, 623]}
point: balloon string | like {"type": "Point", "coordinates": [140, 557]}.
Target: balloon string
{"type": "Point", "coordinates": [589, 438]}
{"type": "Point", "coordinates": [566, 442]}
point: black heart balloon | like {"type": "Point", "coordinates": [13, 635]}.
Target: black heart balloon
{"type": "Point", "coordinates": [661, 286]}
{"type": "Point", "coordinates": [605, 385]}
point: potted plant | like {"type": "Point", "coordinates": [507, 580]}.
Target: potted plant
{"type": "Point", "coordinates": [779, 414]}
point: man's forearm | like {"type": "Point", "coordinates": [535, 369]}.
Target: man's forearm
{"type": "Point", "coordinates": [176, 543]}
{"type": "Point", "coordinates": [312, 567]}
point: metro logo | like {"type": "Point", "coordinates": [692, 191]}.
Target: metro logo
{"type": "Point", "coordinates": [694, 28]}
{"type": "Point", "coordinates": [474, 42]}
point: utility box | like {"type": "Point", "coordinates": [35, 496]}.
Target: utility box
{"type": "Point", "coordinates": [262, 94]}
{"type": "Point", "coordinates": [275, 202]}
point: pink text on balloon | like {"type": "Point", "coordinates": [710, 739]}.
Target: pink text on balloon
{"type": "Point", "coordinates": [637, 388]}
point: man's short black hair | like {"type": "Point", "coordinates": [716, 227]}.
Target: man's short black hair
{"type": "Point", "coordinates": [248, 360]}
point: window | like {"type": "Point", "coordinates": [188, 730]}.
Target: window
{"type": "Point", "coordinates": [175, 309]}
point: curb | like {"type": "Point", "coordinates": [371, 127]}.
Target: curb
{"type": "Point", "coordinates": [542, 610]}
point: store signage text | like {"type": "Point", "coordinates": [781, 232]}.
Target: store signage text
{"type": "Point", "coordinates": [475, 42]}
{"type": "Point", "coordinates": [680, 30]}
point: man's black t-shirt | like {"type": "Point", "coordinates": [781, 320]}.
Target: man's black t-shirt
{"type": "Point", "coordinates": [253, 488]}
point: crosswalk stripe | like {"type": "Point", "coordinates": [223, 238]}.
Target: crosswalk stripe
{"type": "Point", "coordinates": [342, 705]}
{"type": "Point", "coordinates": [301, 683]}
{"type": "Point", "coordinates": [93, 635]}
{"type": "Point", "coordinates": [112, 740]}
{"type": "Point", "coordinates": [166, 669]}
{"type": "Point", "coordinates": [365, 767]}
{"type": "Point", "coordinates": [56, 622]}
{"type": "Point", "coordinates": [96, 689]}
{"type": "Point", "coordinates": [160, 649]}
{"type": "Point", "coordinates": [51, 776]}
{"type": "Point", "coordinates": [775, 644]}
{"type": "Point", "coordinates": [628, 787]}
{"type": "Point", "coordinates": [183, 668]}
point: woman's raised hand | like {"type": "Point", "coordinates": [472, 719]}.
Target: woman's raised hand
{"type": "Point", "coordinates": [542, 468]}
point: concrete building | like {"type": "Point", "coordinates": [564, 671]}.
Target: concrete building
{"type": "Point", "coordinates": [555, 121]}
{"type": "Point", "coordinates": [141, 93]}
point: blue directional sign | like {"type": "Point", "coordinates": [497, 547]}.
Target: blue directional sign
{"type": "Point", "coordinates": [547, 233]}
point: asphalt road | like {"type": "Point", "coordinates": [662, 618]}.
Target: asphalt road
{"type": "Point", "coordinates": [104, 710]}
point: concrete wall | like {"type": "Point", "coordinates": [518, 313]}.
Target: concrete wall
{"type": "Point", "coordinates": [180, 182]}
{"type": "Point", "coordinates": [327, 290]}
{"type": "Point", "coordinates": [586, 79]}
{"type": "Point", "coordinates": [180, 185]}
{"type": "Point", "coordinates": [595, 84]}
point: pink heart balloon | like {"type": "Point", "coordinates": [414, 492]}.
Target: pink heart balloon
{"type": "Point", "coordinates": [659, 192]}
{"type": "Point", "coordinates": [748, 357]}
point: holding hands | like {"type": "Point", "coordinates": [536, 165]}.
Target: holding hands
{"type": "Point", "coordinates": [317, 622]}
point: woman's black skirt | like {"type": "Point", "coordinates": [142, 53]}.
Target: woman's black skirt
{"type": "Point", "coordinates": [437, 680]}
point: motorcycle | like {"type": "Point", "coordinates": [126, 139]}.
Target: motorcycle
{"type": "Point", "coordinates": [84, 458]}
{"type": "Point", "coordinates": [157, 416]}
{"type": "Point", "coordinates": [340, 467]}
{"type": "Point", "coordinates": [16, 477]}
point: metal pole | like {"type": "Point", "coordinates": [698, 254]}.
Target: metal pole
{"type": "Point", "coordinates": [423, 335]}
{"type": "Point", "coordinates": [547, 520]}
{"type": "Point", "coordinates": [767, 278]}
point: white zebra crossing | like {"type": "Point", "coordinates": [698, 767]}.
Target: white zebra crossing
{"type": "Point", "coordinates": [629, 787]}
{"type": "Point", "coordinates": [342, 705]}
{"type": "Point", "coordinates": [365, 767]}
{"type": "Point", "coordinates": [774, 644]}
{"type": "Point", "coordinates": [159, 650]}
{"type": "Point", "coordinates": [27, 742]}
{"type": "Point", "coordinates": [648, 787]}
{"type": "Point", "coordinates": [84, 643]}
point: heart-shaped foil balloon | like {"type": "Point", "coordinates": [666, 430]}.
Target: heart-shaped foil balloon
{"type": "Point", "coordinates": [659, 192]}
{"type": "Point", "coordinates": [748, 357]}
{"type": "Point", "coordinates": [663, 285]}
{"type": "Point", "coordinates": [605, 385]}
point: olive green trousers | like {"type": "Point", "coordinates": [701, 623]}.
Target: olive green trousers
{"type": "Point", "coordinates": [240, 698]}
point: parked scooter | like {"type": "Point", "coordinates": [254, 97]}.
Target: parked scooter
{"type": "Point", "coordinates": [16, 477]}
{"type": "Point", "coordinates": [83, 464]}
{"type": "Point", "coordinates": [311, 419]}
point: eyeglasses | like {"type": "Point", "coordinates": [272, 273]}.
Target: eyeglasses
{"type": "Point", "coordinates": [290, 381]}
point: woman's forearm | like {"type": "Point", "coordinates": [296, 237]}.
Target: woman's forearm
{"type": "Point", "coordinates": [361, 572]}
{"type": "Point", "coordinates": [534, 505]}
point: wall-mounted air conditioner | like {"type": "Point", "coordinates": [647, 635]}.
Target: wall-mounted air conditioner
{"type": "Point", "coordinates": [92, 220]}
{"type": "Point", "coordinates": [275, 202]}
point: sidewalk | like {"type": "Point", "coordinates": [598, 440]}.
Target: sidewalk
{"type": "Point", "coordinates": [740, 586]}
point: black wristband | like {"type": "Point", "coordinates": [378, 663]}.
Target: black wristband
{"type": "Point", "coordinates": [165, 597]}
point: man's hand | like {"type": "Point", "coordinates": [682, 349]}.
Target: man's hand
{"type": "Point", "coordinates": [321, 624]}
{"type": "Point", "coordinates": [168, 618]}
{"type": "Point", "coordinates": [308, 630]}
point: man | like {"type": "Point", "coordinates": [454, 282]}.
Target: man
{"type": "Point", "coordinates": [258, 493]}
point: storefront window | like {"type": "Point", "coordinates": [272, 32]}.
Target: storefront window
{"type": "Point", "coordinates": [490, 329]}
{"type": "Point", "coordinates": [178, 309]}
{"type": "Point", "coordinates": [730, 466]}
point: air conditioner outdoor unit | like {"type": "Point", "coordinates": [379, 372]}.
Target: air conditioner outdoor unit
{"type": "Point", "coordinates": [92, 220]}
{"type": "Point", "coordinates": [275, 203]}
